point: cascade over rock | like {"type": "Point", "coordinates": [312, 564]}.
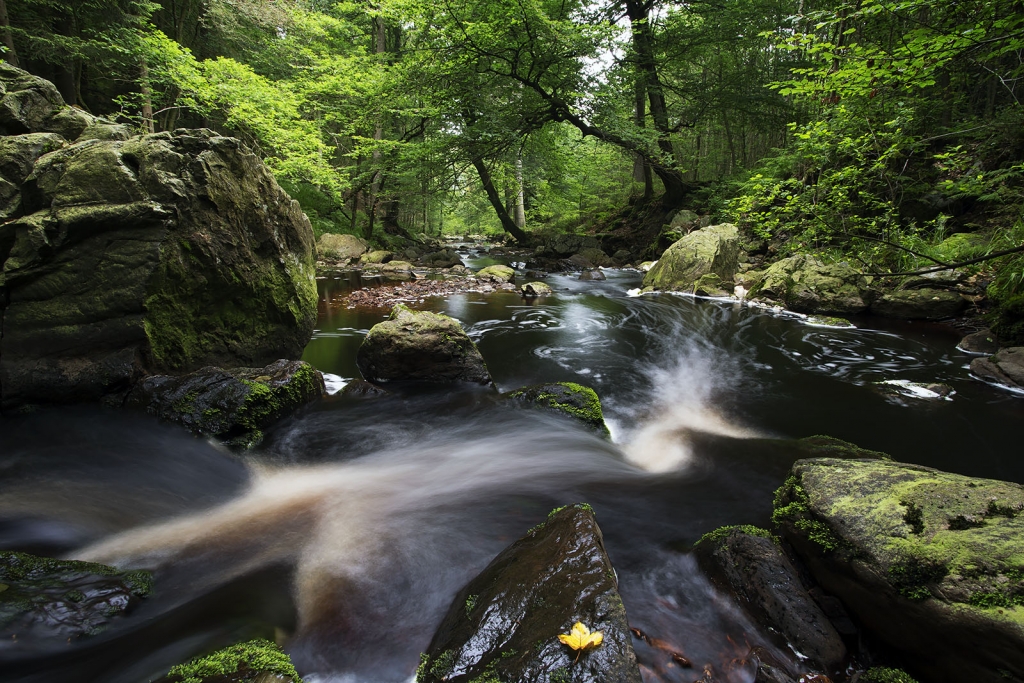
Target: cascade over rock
{"type": "Point", "coordinates": [159, 253]}
{"type": "Point", "coordinates": [504, 625]}
{"type": "Point", "coordinates": [928, 561]}
{"type": "Point", "coordinates": [713, 250]}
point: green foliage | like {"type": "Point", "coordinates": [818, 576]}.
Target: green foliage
{"type": "Point", "coordinates": [883, 674]}
{"type": "Point", "coordinates": [721, 532]}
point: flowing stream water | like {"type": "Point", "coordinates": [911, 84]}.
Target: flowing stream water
{"type": "Point", "coordinates": [348, 532]}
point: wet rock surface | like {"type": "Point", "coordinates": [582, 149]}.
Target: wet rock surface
{"type": "Point", "coordinates": [420, 346]}
{"type": "Point", "coordinates": [567, 398]}
{"type": "Point", "coordinates": [412, 291]}
{"type": "Point", "coordinates": [981, 342]}
{"type": "Point", "coordinates": [711, 250]}
{"type": "Point", "coordinates": [504, 625]}
{"type": "Point", "coordinates": [1006, 367]}
{"type": "Point", "coordinates": [926, 560]}
{"type": "Point", "coordinates": [233, 405]}
{"type": "Point", "coordinates": [749, 564]}
{"type": "Point", "coordinates": [160, 253]}
{"type": "Point", "coordinates": [47, 602]}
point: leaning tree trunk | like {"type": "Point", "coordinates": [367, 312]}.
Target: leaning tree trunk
{"type": "Point", "coordinates": [507, 223]}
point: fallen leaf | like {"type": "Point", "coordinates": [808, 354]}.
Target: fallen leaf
{"type": "Point", "coordinates": [580, 638]}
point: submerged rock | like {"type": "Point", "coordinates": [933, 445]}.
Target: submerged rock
{"type": "Point", "coordinates": [419, 345]}
{"type": "Point", "coordinates": [232, 405]}
{"type": "Point", "coordinates": [496, 273]}
{"type": "Point", "coordinates": [257, 661]}
{"type": "Point", "coordinates": [162, 253]}
{"type": "Point", "coordinates": [54, 601]}
{"type": "Point", "coordinates": [1006, 367]}
{"type": "Point", "coordinates": [595, 274]}
{"type": "Point", "coordinates": [748, 563]}
{"type": "Point", "coordinates": [712, 250]}
{"type": "Point", "coordinates": [504, 625]}
{"type": "Point", "coordinates": [575, 400]}
{"type": "Point", "coordinates": [340, 247]}
{"type": "Point", "coordinates": [919, 304]}
{"type": "Point", "coordinates": [930, 562]}
{"type": "Point", "coordinates": [805, 284]}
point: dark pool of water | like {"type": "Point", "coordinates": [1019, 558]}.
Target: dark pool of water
{"type": "Point", "coordinates": [348, 533]}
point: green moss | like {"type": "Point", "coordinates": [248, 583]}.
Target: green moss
{"type": "Point", "coordinates": [438, 668]}
{"type": "Point", "coordinates": [570, 398]}
{"type": "Point", "coordinates": [586, 507]}
{"type": "Point", "coordinates": [721, 532]}
{"type": "Point", "coordinates": [881, 674]}
{"type": "Point", "coordinates": [255, 656]}
{"type": "Point", "coordinates": [471, 603]}
{"type": "Point", "coordinates": [488, 675]}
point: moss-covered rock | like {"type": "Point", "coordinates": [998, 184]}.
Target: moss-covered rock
{"type": "Point", "coordinates": [18, 155]}
{"type": "Point", "coordinates": [29, 104]}
{"type": "Point", "coordinates": [504, 625]}
{"type": "Point", "coordinates": [1007, 318]}
{"type": "Point", "coordinates": [806, 284]}
{"type": "Point", "coordinates": [233, 405]}
{"type": "Point", "coordinates": [1006, 367]}
{"type": "Point", "coordinates": [748, 563]}
{"type": "Point", "coordinates": [257, 661]}
{"type": "Point", "coordinates": [885, 674]}
{"type": "Point", "coordinates": [575, 400]}
{"type": "Point", "coordinates": [422, 346]}
{"type": "Point", "coordinates": [531, 290]}
{"type": "Point", "coordinates": [377, 256]}
{"type": "Point", "coordinates": [162, 253]}
{"type": "Point", "coordinates": [47, 600]}
{"type": "Point", "coordinates": [931, 562]}
{"type": "Point", "coordinates": [919, 304]}
{"type": "Point", "coordinates": [340, 247]}
{"type": "Point", "coordinates": [711, 250]}
{"type": "Point", "coordinates": [496, 273]}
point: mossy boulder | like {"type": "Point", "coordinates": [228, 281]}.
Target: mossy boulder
{"type": "Point", "coordinates": [504, 625]}
{"type": "Point", "coordinates": [748, 563]}
{"type": "Point", "coordinates": [377, 256]}
{"type": "Point", "coordinates": [256, 661]}
{"type": "Point", "coordinates": [930, 562]}
{"type": "Point", "coordinates": [233, 405]}
{"type": "Point", "coordinates": [711, 250]}
{"type": "Point", "coordinates": [568, 398]}
{"type": "Point", "coordinates": [159, 254]}
{"type": "Point", "coordinates": [532, 290]}
{"type": "Point", "coordinates": [18, 155]}
{"type": "Point", "coordinates": [29, 104]}
{"type": "Point", "coordinates": [805, 284]}
{"type": "Point", "coordinates": [340, 247]}
{"type": "Point", "coordinates": [496, 273]}
{"type": "Point", "coordinates": [919, 304]}
{"type": "Point", "coordinates": [422, 346]}
{"type": "Point", "coordinates": [1006, 367]}
{"type": "Point", "coordinates": [44, 601]}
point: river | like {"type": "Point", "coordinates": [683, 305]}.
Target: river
{"type": "Point", "coordinates": [348, 532]}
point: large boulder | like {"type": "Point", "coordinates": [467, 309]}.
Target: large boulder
{"type": "Point", "coordinates": [711, 250]}
{"type": "Point", "coordinates": [420, 345]}
{"type": "Point", "coordinates": [1006, 367]}
{"type": "Point", "coordinates": [748, 563]}
{"type": "Point", "coordinates": [161, 253]}
{"type": "Point", "coordinates": [930, 562]}
{"type": "Point", "coordinates": [504, 625]}
{"type": "Point", "coordinates": [18, 155]}
{"type": "Point", "coordinates": [805, 284]}
{"type": "Point", "coordinates": [340, 247]}
{"type": "Point", "coordinates": [29, 104]}
{"type": "Point", "coordinates": [568, 398]}
{"type": "Point", "coordinates": [496, 273]}
{"type": "Point", "coordinates": [44, 601]}
{"type": "Point", "coordinates": [233, 405]}
{"type": "Point", "coordinates": [919, 304]}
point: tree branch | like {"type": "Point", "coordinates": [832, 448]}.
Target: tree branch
{"type": "Point", "coordinates": [968, 262]}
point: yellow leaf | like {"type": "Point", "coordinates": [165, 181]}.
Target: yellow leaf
{"type": "Point", "coordinates": [580, 638]}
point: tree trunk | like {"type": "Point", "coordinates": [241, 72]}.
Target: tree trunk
{"type": "Point", "coordinates": [641, 168]}
{"type": "Point", "coordinates": [638, 12]}
{"type": "Point", "coordinates": [379, 48]}
{"type": "Point", "coordinates": [520, 205]}
{"type": "Point", "coordinates": [147, 96]}
{"type": "Point", "coordinates": [11, 57]}
{"type": "Point", "coordinates": [507, 223]}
